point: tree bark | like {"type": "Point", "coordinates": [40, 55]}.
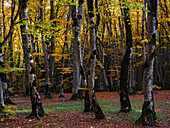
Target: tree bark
{"type": "Point", "coordinates": [148, 116]}
{"type": "Point", "coordinates": [124, 96]}
{"type": "Point", "coordinates": [52, 48]}
{"type": "Point", "coordinates": [4, 30]}
{"type": "Point", "coordinates": [37, 109]}
{"type": "Point", "coordinates": [77, 63]}
{"type": "Point", "coordinates": [62, 59]}
{"type": "Point", "coordinates": [46, 56]}
{"type": "Point", "coordinates": [92, 63]}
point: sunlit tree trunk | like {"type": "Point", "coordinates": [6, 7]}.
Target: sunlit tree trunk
{"type": "Point", "coordinates": [92, 63]}
{"type": "Point", "coordinates": [124, 93]}
{"type": "Point", "coordinates": [37, 109]}
{"type": "Point", "coordinates": [148, 116]}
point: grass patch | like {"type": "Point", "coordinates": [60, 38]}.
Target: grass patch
{"type": "Point", "coordinates": [109, 107]}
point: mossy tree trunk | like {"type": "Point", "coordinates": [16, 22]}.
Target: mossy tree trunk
{"type": "Point", "coordinates": [148, 116]}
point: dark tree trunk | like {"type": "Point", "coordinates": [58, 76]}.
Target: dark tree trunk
{"type": "Point", "coordinates": [10, 44]}
{"type": "Point", "coordinates": [124, 93]}
{"type": "Point", "coordinates": [52, 48]}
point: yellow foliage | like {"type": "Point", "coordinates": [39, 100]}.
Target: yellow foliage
{"type": "Point", "coordinates": [37, 54]}
{"type": "Point", "coordinates": [156, 87]}
{"type": "Point", "coordinates": [95, 77]}
{"type": "Point", "coordinates": [42, 71]}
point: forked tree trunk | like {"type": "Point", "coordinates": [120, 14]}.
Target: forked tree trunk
{"type": "Point", "coordinates": [148, 116]}
{"type": "Point", "coordinates": [37, 109]}
{"type": "Point", "coordinates": [92, 63]}
{"type": "Point", "coordinates": [124, 96]}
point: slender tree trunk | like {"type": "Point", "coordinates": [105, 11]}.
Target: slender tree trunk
{"type": "Point", "coordinates": [124, 96]}
{"type": "Point", "coordinates": [62, 59]}
{"type": "Point", "coordinates": [52, 48]}
{"type": "Point", "coordinates": [114, 53]}
{"type": "Point", "coordinates": [1, 86]}
{"type": "Point", "coordinates": [148, 116]}
{"type": "Point", "coordinates": [121, 33]}
{"type": "Point", "coordinates": [167, 15]}
{"type": "Point", "coordinates": [143, 32]}
{"type": "Point", "coordinates": [4, 91]}
{"type": "Point", "coordinates": [1, 96]}
{"type": "Point", "coordinates": [103, 59]}
{"type": "Point", "coordinates": [46, 56]}
{"type": "Point", "coordinates": [10, 44]}
{"type": "Point", "coordinates": [37, 109]}
{"type": "Point", "coordinates": [4, 30]}
{"type": "Point", "coordinates": [92, 63]}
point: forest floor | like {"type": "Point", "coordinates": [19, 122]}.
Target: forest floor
{"type": "Point", "coordinates": [63, 113]}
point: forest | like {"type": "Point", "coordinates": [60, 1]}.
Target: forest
{"type": "Point", "coordinates": [84, 63]}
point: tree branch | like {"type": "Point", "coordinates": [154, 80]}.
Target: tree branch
{"type": "Point", "coordinates": [11, 28]}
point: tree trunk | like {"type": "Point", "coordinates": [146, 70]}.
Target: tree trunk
{"type": "Point", "coordinates": [52, 48]}
{"type": "Point", "coordinates": [92, 63]}
{"type": "Point", "coordinates": [62, 59]}
{"type": "Point", "coordinates": [1, 94]}
{"type": "Point", "coordinates": [4, 30]}
{"type": "Point", "coordinates": [76, 73]}
{"type": "Point", "coordinates": [77, 63]}
{"type": "Point", "coordinates": [124, 96]}
{"type": "Point", "coordinates": [148, 116]}
{"type": "Point", "coordinates": [46, 56]}
{"type": "Point", "coordinates": [10, 44]}
{"type": "Point", "coordinates": [37, 109]}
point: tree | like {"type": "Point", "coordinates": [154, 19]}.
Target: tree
{"type": "Point", "coordinates": [148, 116]}
{"type": "Point", "coordinates": [52, 48]}
{"type": "Point", "coordinates": [62, 59]}
{"type": "Point", "coordinates": [92, 63]}
{"type": "Point", "coordinates": [46, 67]}
{"type": "Point", "coordinates": [124, 98]}
{"type": "Point", "coordinates": [37, 109]}
{"type": "Point", "coordinates": [77, 20]}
